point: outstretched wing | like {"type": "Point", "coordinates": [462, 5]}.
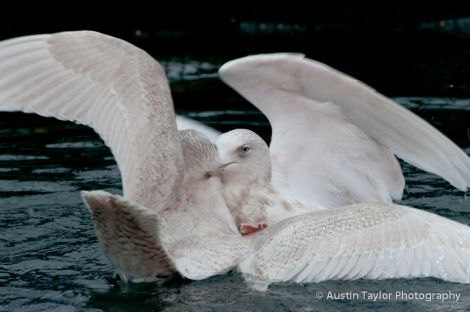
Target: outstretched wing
{"type": "Point", "coordinates": [127, 233]}
{"type": "Point", "coordinates": [372, 241]}
{"type": "Point", "coordinates": [331, 133]}
{"type": "Point", "coordinates": [110, 85]}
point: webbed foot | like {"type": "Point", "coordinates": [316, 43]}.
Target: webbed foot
{"type": "Point", "coordinates": [246, 229]}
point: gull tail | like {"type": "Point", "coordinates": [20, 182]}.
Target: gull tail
{"type": "Point", "coordinates": [127, 233]}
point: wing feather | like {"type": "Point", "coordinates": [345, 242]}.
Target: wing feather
{"type": "Point", "coordinates": [372, 241]}
{"type": "Point", "coordinates": [204, 258]}
{"type": "Point", "coordinates": [127, 233]}
{"type": "Point", "coordinates": [324, 105]}
{"type": "Point", "coordinates": [109, 85]}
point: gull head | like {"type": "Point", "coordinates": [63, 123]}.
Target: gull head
{"type": "Point", "coordinates": [203, 166]}
{"type": "Point", "coordinates": [246, 156]}
{"type": "Point", "coordinates": [200, 156]}
{"type": "Point", "coordinates": [201, 180]}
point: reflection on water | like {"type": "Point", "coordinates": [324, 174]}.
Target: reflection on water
{"type": "Point", "coordinates": [50, 259]}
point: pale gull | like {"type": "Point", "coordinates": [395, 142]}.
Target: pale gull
{"type": "Point", "coordinates": [123, 94]}
{"type": "Point", "coordinates": [134, 237]}
{"type": "Point", "coordinates": [333, 139]}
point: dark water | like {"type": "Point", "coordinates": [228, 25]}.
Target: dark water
{"type": "Point", "coordinates": [50, 259]}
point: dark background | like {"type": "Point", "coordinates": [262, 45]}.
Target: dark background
{"type": "Point", "coordinates": [401, 48]}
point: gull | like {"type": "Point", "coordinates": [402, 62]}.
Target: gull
{"type": "Point", "coordinates": [132, 236]}
{"type": "Point", "coordinates": [172, 215]}
{"type": "Point", "coordinates": [367, 240]}
{"type": "Point", "coordinates": [123, 94]}
{"type": "Point", "coordinates": [333, 142]}
{"type": "Point", "coordinates": [248, 190]}
{"type": "Point", "coordinates": [247, 180]}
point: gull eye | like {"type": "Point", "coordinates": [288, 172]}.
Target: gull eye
{"type": "Point", "coordinates": [208, 174]}
{"type": "Point", "coordinates": [244, 150]}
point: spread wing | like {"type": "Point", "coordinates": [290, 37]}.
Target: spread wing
{"type": "Point", "coordinates": [143, 245]}
{"type": "Point", "coordinates": [372, 241]}
{"type": "Point", "coordinates": [202, 244]}
{"type": "Point", "coordinates": [331, 134]}
{"type": "Point", "coordinates": [109, 85]}
{"type": "Point", "coordinates": [127, 233]}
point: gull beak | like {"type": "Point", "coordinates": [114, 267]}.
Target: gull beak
{"type": "Point", "coordinates": [220, 169]}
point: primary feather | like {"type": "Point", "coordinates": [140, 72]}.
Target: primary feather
{"type": "Point", "coordinates": [371, 241]}
{"type": "Point", "coordinates": [105, 83]}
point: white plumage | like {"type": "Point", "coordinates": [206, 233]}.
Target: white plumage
{"type": "Point", "coordinates": [173, 215]}
{"type": "Point", "coordinates": [333, 137]}
{"type": "Point", "coordinates": [109, 85]}
{"type": "Point", "coordinates": [371, 241]}
{"type": "Point", "coordinates": [122, 93]}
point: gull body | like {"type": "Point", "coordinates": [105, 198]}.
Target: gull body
{"type": "Point", "coordinates": [198, 220]}
{"type": "Point", "coordinates": [248, 192]}
{"type": "Point", "coordinates": [127, 233]}
{"type": "Point", "coordinates": [367, 240]}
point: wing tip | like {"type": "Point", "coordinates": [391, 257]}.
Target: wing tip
{"type": "Point", "coordinates": [97, 201]}
{"type": "Point", "coordinates": [189, 269]}
{"type": "Point", "coordinates": [92, 195]}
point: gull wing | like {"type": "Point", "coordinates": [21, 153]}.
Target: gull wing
{"type": "Point", "coordinates": [332, 135]}
{"type": "Point", "coordinates": [188, 123]}
{"type": "Point", "coordinates": [202, 243]}
{"type": "Point", "coordinates": [110, 85]}
{"type": "Point", "coordinates": [127, 233]}
{"type": "Point", "coordinates": [371, 241]}
{"type": "Point", "coordinates": [210, 256]}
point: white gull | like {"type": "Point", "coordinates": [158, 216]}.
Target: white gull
{"type": "Point", "coordinates": [333, 140]}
